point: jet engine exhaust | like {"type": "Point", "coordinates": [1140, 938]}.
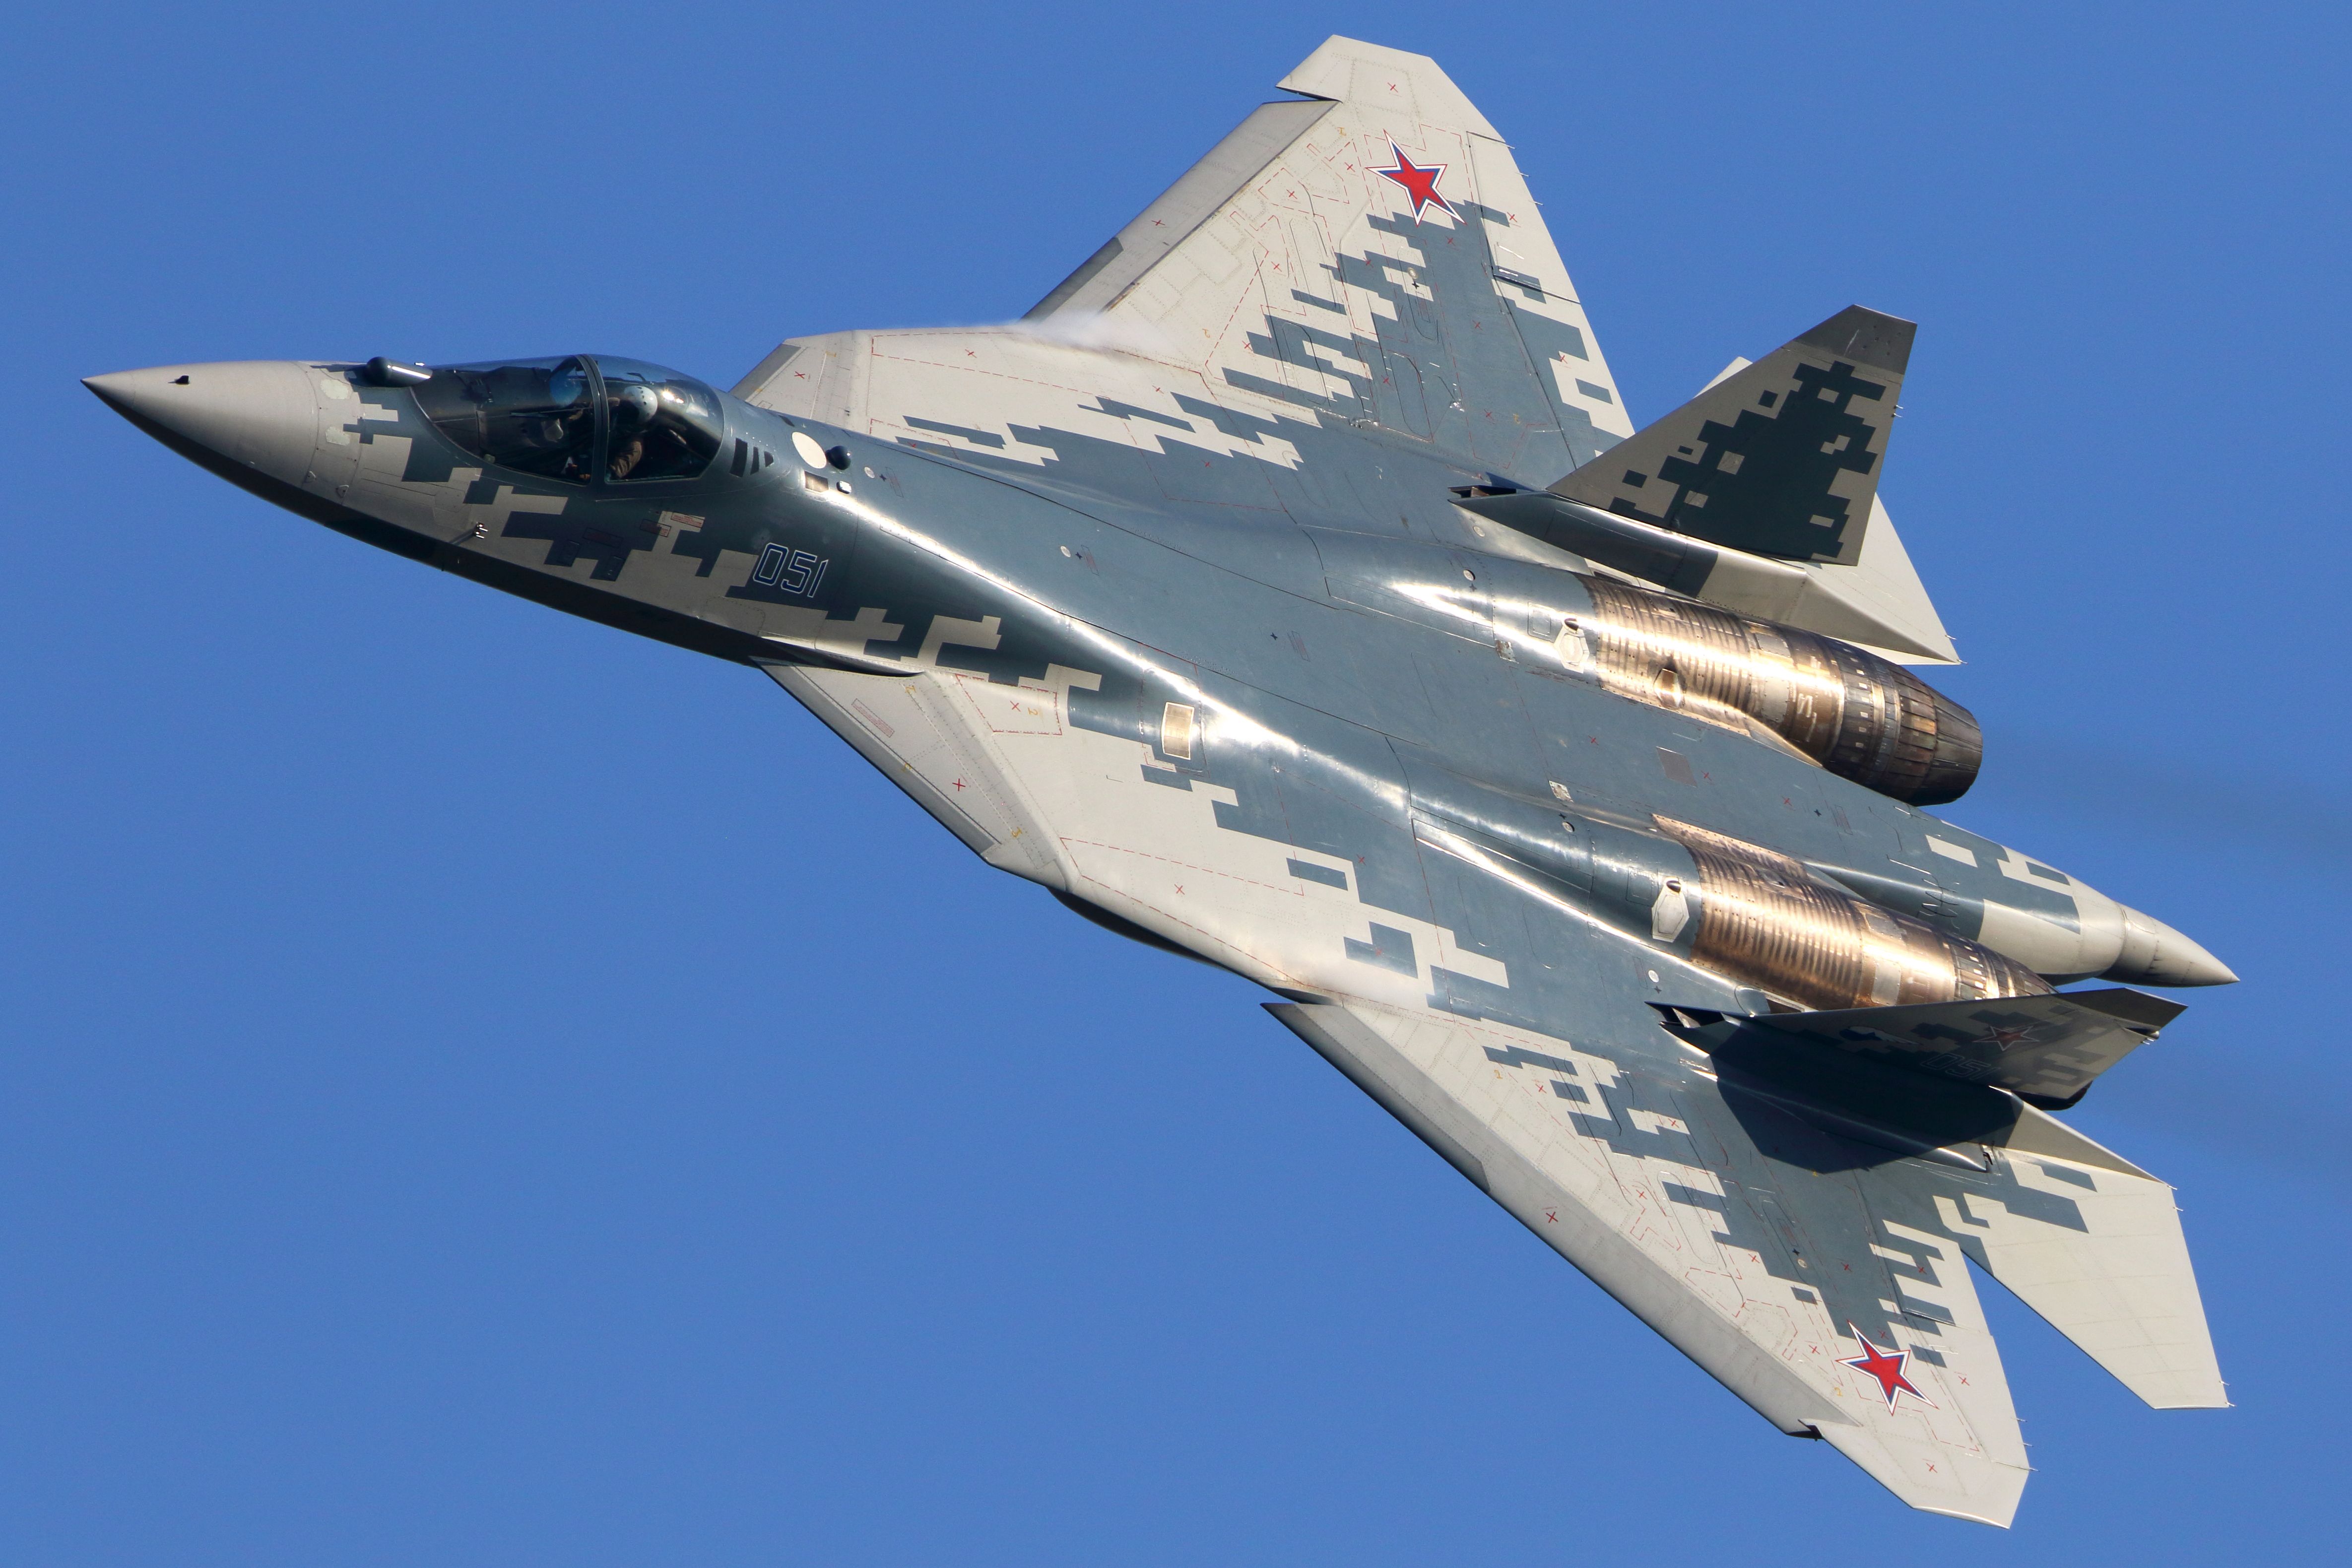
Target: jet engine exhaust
{"type": "Point", "coordinates": [1764, 921]}
{"type": "Point", "coordinates": [1859, 716]}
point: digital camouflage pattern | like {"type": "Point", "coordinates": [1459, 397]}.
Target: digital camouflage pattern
{"type": "Point", "coordinates": [1290, 590]}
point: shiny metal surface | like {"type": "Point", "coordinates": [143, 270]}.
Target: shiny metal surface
{"type": "Point", "coordinates": [1859, 716]}
{"type": "Point", "coordinates": [1764, 922]}
{"type": "Point", "coordinates": [385, 372]}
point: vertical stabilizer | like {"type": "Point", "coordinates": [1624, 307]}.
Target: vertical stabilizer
{"type": "Point", "coordinates": [1778, 458]}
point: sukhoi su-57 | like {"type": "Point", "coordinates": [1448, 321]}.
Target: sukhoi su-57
{"type": "Point", "coordinates": [1290, 589]}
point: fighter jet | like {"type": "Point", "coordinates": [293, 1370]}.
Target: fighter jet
{"type": "Point", "coordinates": [1289, 590]}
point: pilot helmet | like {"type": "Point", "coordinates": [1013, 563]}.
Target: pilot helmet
{"type": "Point", "coordinates": [635, 406]}
{"type": "Point", "coordinates": [568, 386]}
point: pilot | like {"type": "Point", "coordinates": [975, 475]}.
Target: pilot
{"type": "Point", "coordinates": [635, 407]}
{"type": "Point", "coordinates": [555, 444]}
{"type": "Point", "coordinates": [571, 429]}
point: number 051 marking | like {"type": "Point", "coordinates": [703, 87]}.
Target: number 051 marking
{"type": "Point", "coordinates": [794, 570]}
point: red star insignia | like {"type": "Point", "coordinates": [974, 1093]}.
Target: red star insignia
{"type": "Point", "coordinates": [1886, 1366]}
{"type": "Point", "coordinates": [1419, 184]}
{"type": "Point", "coordinates": [2005, 1038]}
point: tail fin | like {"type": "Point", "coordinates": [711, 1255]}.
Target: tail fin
{"type": "Point", "coordinates": [1780, 458]}
{"type": "Point", "coordinates": [2095, 1246]}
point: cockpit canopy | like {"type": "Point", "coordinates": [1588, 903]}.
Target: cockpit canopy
{"type": "Point", "coordinates": [577, 418]}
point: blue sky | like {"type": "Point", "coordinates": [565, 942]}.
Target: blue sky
{"type": "Point", "coordinates": [478, 1087]}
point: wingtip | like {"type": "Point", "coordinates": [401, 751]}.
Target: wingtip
{"type": "Point", "coordinates": [1973, 1488]}
{"type": "Point", "coordinates": [1870, 337]}
{"type": "Point", "coordinates": [1331, 73]}
{"type": "Point", "coordinates": [1998, 1521]}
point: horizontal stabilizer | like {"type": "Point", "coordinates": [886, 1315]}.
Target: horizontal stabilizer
{"type": "Point", "coordinates": [1780, 458]}
{"type": "Point", "coordinates": [2082, 1235]}
{"type": "Point", "coordinates": [2044, 1049]}
{"type": "Point", "coordinates": [2096, 1247]}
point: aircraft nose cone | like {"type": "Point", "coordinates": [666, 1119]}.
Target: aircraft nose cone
{"type": "Point", "coordinates": [2156, 954]}
{"type": "Point", "coordinates": [256, 415]}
